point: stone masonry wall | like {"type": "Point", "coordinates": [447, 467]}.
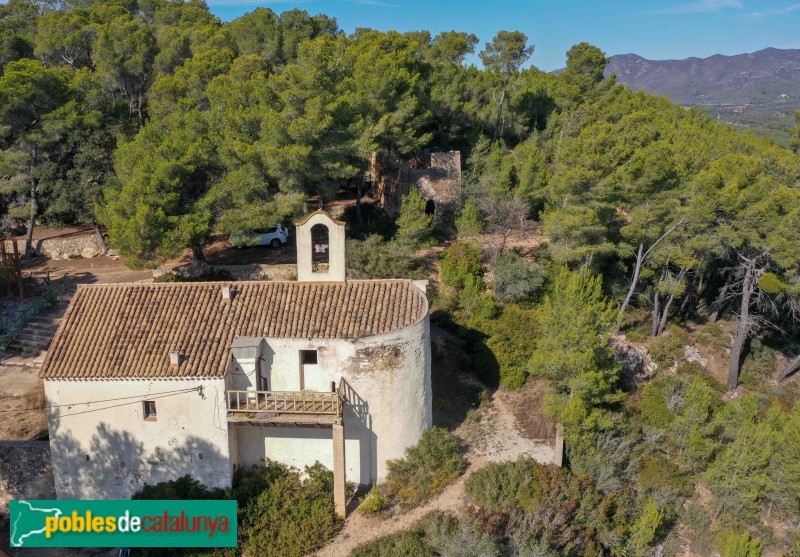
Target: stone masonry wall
{"type": "Point", "coordinates": [85, 246]}
{"type": "Point", "coordinates": [437, 176]}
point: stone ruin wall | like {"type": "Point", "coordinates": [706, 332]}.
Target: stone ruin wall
{"type": "Point", "coordinates": [437, 176]}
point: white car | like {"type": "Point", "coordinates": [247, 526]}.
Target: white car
{"type": "Point", "coordinates": [275, 236]}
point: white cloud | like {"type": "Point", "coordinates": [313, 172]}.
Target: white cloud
{"type": "Point", "coordinates": [776, 11]}
{"type": "Point", "coordinates": [701, 7]}
{"type": "Point", "coordinates": [376, 3]}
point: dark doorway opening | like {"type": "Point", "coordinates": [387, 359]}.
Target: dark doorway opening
{"type": "Point", "coordinates": [430, 207]}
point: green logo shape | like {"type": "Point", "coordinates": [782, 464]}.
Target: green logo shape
{"type": "Point", "coordinates": [123, 523]}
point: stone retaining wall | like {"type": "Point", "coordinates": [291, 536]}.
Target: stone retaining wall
{"type": "Point", "coordinates": [70, 247]}
{"type": "Point", "coordinates": [239, 272]}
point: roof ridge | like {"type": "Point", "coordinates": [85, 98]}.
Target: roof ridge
{"type": "Point", "coordinates": [207, 282]}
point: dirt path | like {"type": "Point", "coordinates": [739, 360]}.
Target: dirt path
{"type": "Point", "coordinates": [495, 438]}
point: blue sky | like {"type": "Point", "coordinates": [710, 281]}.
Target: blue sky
{"type": "Point", "coordinates": [651, 28]}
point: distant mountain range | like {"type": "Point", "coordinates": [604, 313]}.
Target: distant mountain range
{"type": "Point", "coordinates": [759, 91]}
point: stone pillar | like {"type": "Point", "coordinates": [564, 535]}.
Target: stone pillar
{"type": "Point", "coordinates": [558, 450]}
{"type": "Point", "coordinates": [339, 480]}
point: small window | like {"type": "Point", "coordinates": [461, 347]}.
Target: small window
{"type": "Point", "coordinates": [150, 410]}
{"type": "Point", "coordinates": [308, 357]}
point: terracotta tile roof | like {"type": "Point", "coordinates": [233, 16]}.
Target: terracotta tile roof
{"type": "Point", "coordinates": [128, 330]}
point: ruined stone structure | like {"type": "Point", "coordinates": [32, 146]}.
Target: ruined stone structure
{"type": "Point", "coordinates": [149, 382]}
{"type": "Point", "coordinates": [437, 176]}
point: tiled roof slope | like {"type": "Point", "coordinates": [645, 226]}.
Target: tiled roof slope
{"type": "Point", "coordinates": [128, 330]}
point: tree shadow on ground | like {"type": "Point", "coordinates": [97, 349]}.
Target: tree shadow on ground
{"type": "Point", "coordinates": [461, 368]}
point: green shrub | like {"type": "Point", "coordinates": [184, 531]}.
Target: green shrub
{"type": "Point", "coordinates": [427, 468]}
{"type": "Point", "coordinates": [732, 544]}
{"type": "Point", "coordinates": [248, 483]}
{"type": "Point", "coordinates": [654, 399]}
{"type": "Point", "coordinates": [760, 361]}
{"type": "Point", "coordinates": [373, 258]}
{"type": "Point", "coordinates": [515, 279]}
{"type": "Point", "coordinates": [662, 480]}
{"type": "Point", "coordinates": [507, 486]}
{"type": "Point", "coordinates": [669, 347]}
{"type": "Point", "coordinates": [511, 339]}
{"type": "Point", "coordinates": [634, 335]}
{"type": "Point", "coordinates": [469, 222]}
{"type": "Point", "coordinates": [374, 502]}
{"type": "Point", "coordinates": [698, 522]}
{"type": "Point", "coordinates": [465, 536]}
{"type": "Point", "coordinates": [645, 528]}
{"type": "Point", "coordinates": [139, 264]}
{"type": "Point", "coordinates": [713, 336]}
{"type": "Point", "coordinates": [402, 544]}
{"type": "Point", "coordinates": [292, 516]}
{"type": "Point", "coordinates": [183, 488]}
{"type": "Point", "coordinates": [478, 305]}
{"type": "Point", "coordinates": [460, 262]}
{"type": "Point", "coordinates": [553, 505]}
{"type": "Point", "coordinates": [436, 534]}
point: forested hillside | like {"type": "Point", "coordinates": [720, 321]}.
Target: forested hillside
{"type": "Point", "coordinates": [662, 228]}
{"type": "Point", "coordinates": [757, 91]}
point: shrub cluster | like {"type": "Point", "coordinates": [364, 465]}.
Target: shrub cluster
{"type": "Point", "coordinates": [375, 258]}
{"type": "Point", "coordinates": [551, 504]}
{"type": "Point", "coordinates": [668, 348]}
{"type": "Point", "coordinates": [293, 516]}
{"type": "Point", "coordinates": [427, 468]}
{"type": "Point", "coordinates": [281, 511]}
{"type": "Point", "coordinates": [374, 502]}
{"type": "Point", "coordinates": [462, 263]}
{"type": "Point", "coordinates": [515, 279]}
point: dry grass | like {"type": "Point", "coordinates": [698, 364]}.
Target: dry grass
{"type": "Point", "coordinates": [24, 417]}
{"type": "Point", "coordinates": [527, 405]}
{"type": "Point", "coordinates": [35, 400]}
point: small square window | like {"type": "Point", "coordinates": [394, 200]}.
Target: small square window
{"type": "Point", "coordinates": [308, 356]}
{"type": "Point", "coordinates": [150, 410]}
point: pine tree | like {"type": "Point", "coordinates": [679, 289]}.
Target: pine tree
{"type": "Point", "coordinates": [414, 227]}
{"type": "Point", "coordinates": [469, 222]}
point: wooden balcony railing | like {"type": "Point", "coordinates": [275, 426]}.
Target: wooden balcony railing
{"type": "Point", "coordinates": [285, 402]}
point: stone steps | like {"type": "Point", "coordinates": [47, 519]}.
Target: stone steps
{"type": "Point", "coordinates": [35, 336]}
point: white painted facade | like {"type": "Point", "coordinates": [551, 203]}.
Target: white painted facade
{"type": "Point", "coordinates": [108, 450]}
{"type": "Point", "coordinates": [389, 398]}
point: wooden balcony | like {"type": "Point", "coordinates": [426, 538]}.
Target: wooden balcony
{"type": "Point", "coordinates": [285, 407]}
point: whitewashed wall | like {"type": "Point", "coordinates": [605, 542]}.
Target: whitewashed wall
{"type": "Point", "coordinates": [389, 403]}
{"type": "Point", "coordinates": [389, 406]}
{"type": "Point", "coordinates": [125, 451]}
